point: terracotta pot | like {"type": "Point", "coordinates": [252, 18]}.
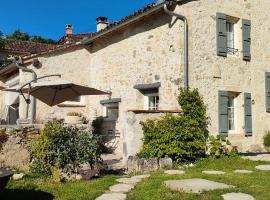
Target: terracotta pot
{"type": "Point", "coordinates": [73, 120]}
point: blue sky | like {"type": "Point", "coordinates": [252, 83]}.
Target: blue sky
{"type": "Point", "coordinates": [48, 17]}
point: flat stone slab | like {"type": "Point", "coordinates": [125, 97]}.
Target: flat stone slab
{"type": "Point", "coordinates": [242, 171]}
{"type": "Point", "coordinates": [213, 172]}
{"type": "Point", "coordinates": [174, 172]}
{"type": "Point", "coordinates": [195, 185]}
{"type": "Point", "coordinates": [237, 196]}
{"type": "Point", "coordinates": [263, 167]}
{"type": "Point", "coordinates": [112, 196]}
{"type": "Point", "coordinates": [141, 176]}
{"type": "Point", "coordinates": [121, 188]}
{"type": "Point", "coordinates": [132, 181]}
{"type": "Point", "coordinates": [260, 157]}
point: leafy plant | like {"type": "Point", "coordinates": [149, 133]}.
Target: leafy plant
{"type": "Point", "coordinates": [73, 114]}
{"type": "Point", "coordinates": [3, 137]}
{"type": "Point", "coordinates": [64, 148]}
{"type": "Point", "coordinates": [266, 139]}
{"type": "Point", "coordinates": [218, 146]}
{"type": "Point", "coordinates": [182, 136]}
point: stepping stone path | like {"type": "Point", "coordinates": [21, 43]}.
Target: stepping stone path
{"type": "Point", "coordinates": [126, 184]}
{"type": "Point", "coordinates": [263, 167]}
{"type": "Point", "coordinates": [174, 172]}
{"type": "Point", "coordinates": [237, 196]}
{"type": "Point", "coordinates": [212, 172]}
{"type": "Point", "coordinates": [121, 188]}
{"type": "Point", "coordinates": [195, 185]}
{"type": "Point", "coordinates": [241, 171]}
{"type": "Point", "coordinates": [112, 196]}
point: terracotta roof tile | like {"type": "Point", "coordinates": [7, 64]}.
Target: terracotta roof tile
{"type": "Point", "coordinates": [26, 47]}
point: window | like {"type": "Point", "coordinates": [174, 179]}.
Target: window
{"type": "Point", "coordinates": [112, 113]}
{"type": "Point", "coordinates": [230, 34]}
{"type": "Point", "coordinates": [231, 112]}
{"type": "Point", "coordinates": [151, 99]}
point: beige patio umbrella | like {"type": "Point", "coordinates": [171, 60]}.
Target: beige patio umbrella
{"type": "Point", "coordinates": [56, 91]}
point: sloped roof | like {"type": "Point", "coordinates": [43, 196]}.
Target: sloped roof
{"type": "Point", "coordinates": [26, 47]}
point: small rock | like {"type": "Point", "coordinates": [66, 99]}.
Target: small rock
{"type": "Point", "coordinates": [112, 196]}
{"type": "Point", "coordinates": [165, 162]}
{"type": "Point", "coordinates": [240, 171]}
{"type": "Point", "coordinates": [174, 172]}
{"type": "Point", "coordinates": [18, 176]}
{"type": "Point", "coordinates": [237, 196]}
{"type": "Point", "coordinates": [212, 172]}
{"type": "Point", "coordinates": [78, 177]}
{"type": "Point", "coordinates": [263, 167]}
{"type": "Point", "coordinates": [121, 188]}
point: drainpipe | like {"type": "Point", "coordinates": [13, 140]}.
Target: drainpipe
{"type": "Point", "coordinates": [184, 19]}
{"type": "Point", "coordinates": [33, 101]}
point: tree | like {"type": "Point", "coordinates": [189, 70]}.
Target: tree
{"type": "Point", "coordinates": [18, 35]}
{"type": "Point", "coordinates": [2, 41]}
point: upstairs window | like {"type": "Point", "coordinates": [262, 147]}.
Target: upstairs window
{"type": "Point", "coordinates": [230, 36]}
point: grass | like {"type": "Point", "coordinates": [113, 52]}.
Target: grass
{"type": "Point", "coordinates": [256, 184]}
{"type": "Point", "coordinates": [46, 189]}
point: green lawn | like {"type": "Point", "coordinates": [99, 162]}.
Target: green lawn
{"type": "Point", "coordinates": [45, 189]}
{"type": "Point", "coordinates": [256, 184]}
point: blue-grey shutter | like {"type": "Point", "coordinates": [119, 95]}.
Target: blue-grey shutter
{"type": "Point", "coordinates": [248, 114]}
{"type": "Point", "coordinates": [223, 112]}
{"type": "Point", "coordinates": [246, 29]}
{"type": "Point", "coordinates": [221, 35]}
{"type": "Point", "coordinates": [267, 91]}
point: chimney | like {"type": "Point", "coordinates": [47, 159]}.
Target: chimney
{"type": "Point", "coordinates": [102, 23]}
{"type": "Point", "coordinates": [69, 29]}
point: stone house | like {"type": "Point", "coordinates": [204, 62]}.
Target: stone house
{"type": "Point", "coordinates": [139, 59]}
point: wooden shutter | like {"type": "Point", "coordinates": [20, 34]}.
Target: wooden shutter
{"type": "Point", "coordinates": [267, 91]}
{"type": "Point", "coordinates": [223, 112]}
{"type": "Point", "coordinates": [248, 114]}
{"type": "Point", "coordinates": [246, 29]}
{"type": "Point", "coordinates": [221, 35]}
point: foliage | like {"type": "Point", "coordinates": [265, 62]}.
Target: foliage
{"type": "Point", "coordinates": [266, 139]}
{"type": "Point", "coordinates": [97, 131]}
{"type": "Point", "coordinates": [73, 114]}
{"type": "Point", "coordinates": [182, 136]}
{"type": "Point", "coordinates": [18, 35]}
{"type": "Point", "coordinates": [64, 148]}
{"type": "Point", "coordinates": [218, 147]}
{"type": "Point", "coordinates": [2, 41]}
{"type": "Point", "coordinates": [3, 137]}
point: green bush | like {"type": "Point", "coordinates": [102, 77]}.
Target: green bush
{"type": "Point", "coordinates": [266, 139]}
{"type": "Point", "coordinates": [64, 148]}
{"type": "Point", "coordinates": [218, 147]}
{"type": "Point", "coordinates": [182, 136]}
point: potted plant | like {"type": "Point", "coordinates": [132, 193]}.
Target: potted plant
{"type": "Point", "coordinates": [73, 118]}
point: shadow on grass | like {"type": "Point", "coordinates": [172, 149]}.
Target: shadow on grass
{"type": "Point", "coordinates": [20, 194]}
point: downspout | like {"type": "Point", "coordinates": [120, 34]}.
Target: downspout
{"type": "Point", "coordinates": [33, 101]}
{"type": "Point", "coordinates": [184, 19]}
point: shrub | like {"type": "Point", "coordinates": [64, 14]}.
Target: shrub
{"type": "Point", "coordinates": [64, 148]}
{"type": "Point", "coordinates": [182, 136]}
{"type": "Point", "coordinates": [266, 139]}
{"type": "Point", "coordinates": [218, 147]}
{"type": "Point", "coordinates": [73, 114]}
{"type": "Point", "coordinates": [3, 137]}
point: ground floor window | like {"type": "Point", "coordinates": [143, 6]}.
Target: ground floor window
{"type": "Point", "coordinates": [231, 111]}
{"type": "Point", "coordinates": [151, 100]}
{"type": "Point", "coordinates": [112, 112]}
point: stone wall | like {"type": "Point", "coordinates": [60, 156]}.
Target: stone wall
{"type": "Point", "coordinates": [15, 151]}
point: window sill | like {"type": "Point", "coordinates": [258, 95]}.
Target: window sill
{"type": "Point", "coordinates": [153, 111]}
{"type": "Point", "coordinates": [71, 105]}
